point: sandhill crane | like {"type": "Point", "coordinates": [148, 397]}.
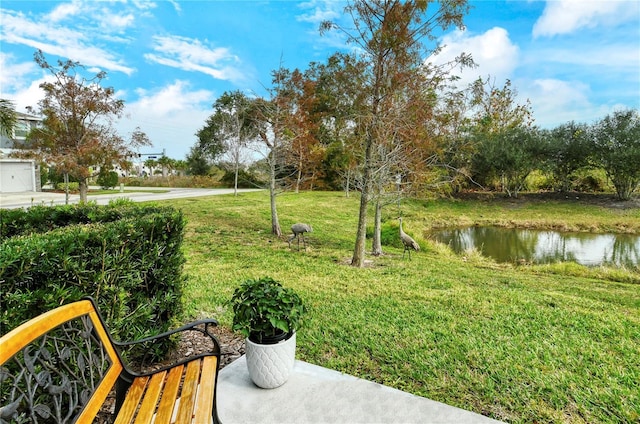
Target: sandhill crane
{"type": "Point", "coordinates": [407, 241]}
{"type": "Point", "coordinates": [298, 231]}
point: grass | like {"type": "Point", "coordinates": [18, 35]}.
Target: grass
{"type": "Point", "coordinates": [518, 343]}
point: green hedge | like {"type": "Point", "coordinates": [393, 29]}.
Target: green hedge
{"type": "Point", "coordinates": [127, 257]}
{"type": "Point", "coordinates": [40, 219]}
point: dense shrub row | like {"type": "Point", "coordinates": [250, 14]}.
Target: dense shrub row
{"type": "Point", "coordinates": [127, 257]}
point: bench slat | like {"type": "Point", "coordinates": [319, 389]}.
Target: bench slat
{"type": "Point", "coordinates": [188, 393]}
{"type": "Point", "coordinates": [167, 402]}
{"type": "Point", "coordinates": [132, 400]}
{"type": "Point", "coordinates": [150, 400]}
{"type": "Point", "coordinates": [204, 403]}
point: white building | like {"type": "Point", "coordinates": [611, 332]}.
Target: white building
{"type": "Point", "coordinates": [18, 175]}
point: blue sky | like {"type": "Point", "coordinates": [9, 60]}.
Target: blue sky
{"type": "Point", "coordinates": [169, 60]}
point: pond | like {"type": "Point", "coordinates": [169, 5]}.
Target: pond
{"type": "Point", "coordinates": [541, 246]}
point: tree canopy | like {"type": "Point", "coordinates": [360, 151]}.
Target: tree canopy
{"type": "Point", "coordinates": [392, 37]}
{"type": "Point", "coordinates": [77, 135]}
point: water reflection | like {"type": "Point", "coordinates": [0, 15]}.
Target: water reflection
{"type": "Point", "coordinates": [537, 246]}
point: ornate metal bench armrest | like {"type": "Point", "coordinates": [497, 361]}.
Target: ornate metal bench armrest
{"type": "Point", "coordinates": [202, 326]}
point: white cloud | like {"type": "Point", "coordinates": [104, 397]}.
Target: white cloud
{"type": "Point", "coordinates": [52, 39]}
{"type": "Point", "coordinates": [18, 84]}
{"type": "Point", "coordinates": [492, 51]}
{"type": "Point", "coordinates": [320, 11]}
{"type": "Point", "coordinates": [555, 102]}
{"type": "Point", "coordinates": [169, 116]}
{"type": "Point", "coordinates": [192, 55]}
{"type": "Point", "coordinates": [65, 10]}
{"type": "Point", "coordinates": [116, 22]}
{"type": "Point", "coordinates": [567, 16]}
{"type": "Point", "coordinates": [14, 75]}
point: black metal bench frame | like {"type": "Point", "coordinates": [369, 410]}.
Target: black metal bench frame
{"type": "Point", "coordinates": [62, 365]}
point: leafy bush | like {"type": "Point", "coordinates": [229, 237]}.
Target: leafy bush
{"type": "Point", "coordinates": [174, 181]}
{"type": "Point", "coordinates": [245, 179]}
{"type": "Point", "coordinates": [589, 180]}
{"type": "Point", "coordinates": [538, 180]}
{"type": "Point", "coordinates": [107, 179]}
{"type": "Point", "coordinates": [128, 258]}
{"type": "Point", "coordinates": [74, 187]}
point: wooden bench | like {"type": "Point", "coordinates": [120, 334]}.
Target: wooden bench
{"type": "Point", "coordinates": [62, 365]}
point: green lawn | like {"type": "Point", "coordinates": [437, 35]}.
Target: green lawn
{"type": "Point", "coordinates": [518, 343]}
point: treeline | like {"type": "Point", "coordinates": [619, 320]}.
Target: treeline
{"type": "Point", "coordinates": [452, 140]}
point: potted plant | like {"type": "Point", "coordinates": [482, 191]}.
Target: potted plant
{"type": "Point", "coordinates": [267, 314]}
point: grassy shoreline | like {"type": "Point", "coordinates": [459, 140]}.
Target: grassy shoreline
{"type": "Point", "coordinates": [517, 343]}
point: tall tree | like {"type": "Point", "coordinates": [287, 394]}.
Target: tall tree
{"type": "Point", "coordinates": [338, 94]}
{"type": "Point", "coordinates": [391, 35]}
{"type": "Point", "coordinates": [77, 134]}
{"type": "Point", "coordinates": [197, 162]}
{"type": "Point", "coordinates": [269, 116]}
{"type": "Point", "coordinates": [228, 129]}
{"type": "Point", "coordinates": [568, 150]}
{"type": "Point", "coordinates": [302, 124]}
{"type": "Point", "coordinates": [509, 156]}
{"type": "Point", "coordinates": [503, 135]}
{"type": "Point", "coordinates": [497, 109]}
{"type": "Point", "coordinates": [616, 141]}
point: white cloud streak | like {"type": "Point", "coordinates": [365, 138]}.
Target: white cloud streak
{"type": "Point", "coordinates": [567, 16]}
{"type": "Point", "coordinates": [193, 55]}
{"type": "Point", "coordinates": [51, 38]}
{"type": "Point", "coordinates": [320, 11]}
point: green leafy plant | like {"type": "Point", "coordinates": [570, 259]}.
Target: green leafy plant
{"type": "Point", "coordinates": [263, 308]}
{"type": "Point", "coordinates": [107, 179]}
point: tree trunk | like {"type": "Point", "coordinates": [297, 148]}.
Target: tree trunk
{"type": "Point", "coordinates": [66, 188]}
{"type": "Point", "coordinates": [275, 223]}
{"type": "Point", "coordinates": [235, 181]}
{"type": "Point", "coordinates": [377, 242]}
{"type": "Point", "coordinates": [359, 250]}
{"type": "Point", "coordinates": [298, 178]}
{"type": "Point", "coordinates": [346, 187]}
{"type": "Point", "coordinates": [361, 235]}
{"type": "Point", "coordinates": [84, 189]}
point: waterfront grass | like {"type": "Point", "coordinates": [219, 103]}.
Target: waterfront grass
{"type": "Point", "coordinates": [518, 343]}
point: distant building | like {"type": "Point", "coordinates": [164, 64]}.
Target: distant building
{"type": "Point", "coordinates": [17, 175]}
{"type": "Point", "coordinates": [25, 124]}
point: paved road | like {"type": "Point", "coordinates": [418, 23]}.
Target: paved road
{"type": "Point", "coordinates": [30, 198]}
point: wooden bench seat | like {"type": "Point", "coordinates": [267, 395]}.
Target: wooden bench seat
{"type": "Point", "coordinates": [62, 365]}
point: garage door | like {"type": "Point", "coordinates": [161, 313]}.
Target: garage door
{"type": "Point", "coordinates": [16, 176]}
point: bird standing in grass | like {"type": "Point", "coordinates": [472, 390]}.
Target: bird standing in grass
{"type": "Point", "coordinates": [408, 243]}
{"type": "Point", "coordinates": [298, 231]}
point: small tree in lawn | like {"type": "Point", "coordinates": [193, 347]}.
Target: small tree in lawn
{"type": "Point", "coordinates": [76, 135]}
{"type": "Point", "coordinates": [616, 140]}
{"type": "Point", "coordinates": [269, 121]}
{"type": "Point", "coordinates": [390, 36]}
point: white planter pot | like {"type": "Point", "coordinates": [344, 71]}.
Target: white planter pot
{"type": "Point", "coordinates": [270, 365]}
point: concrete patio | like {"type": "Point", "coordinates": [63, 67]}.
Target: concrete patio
{"type": "Point", "coordinates": [315, 394]}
